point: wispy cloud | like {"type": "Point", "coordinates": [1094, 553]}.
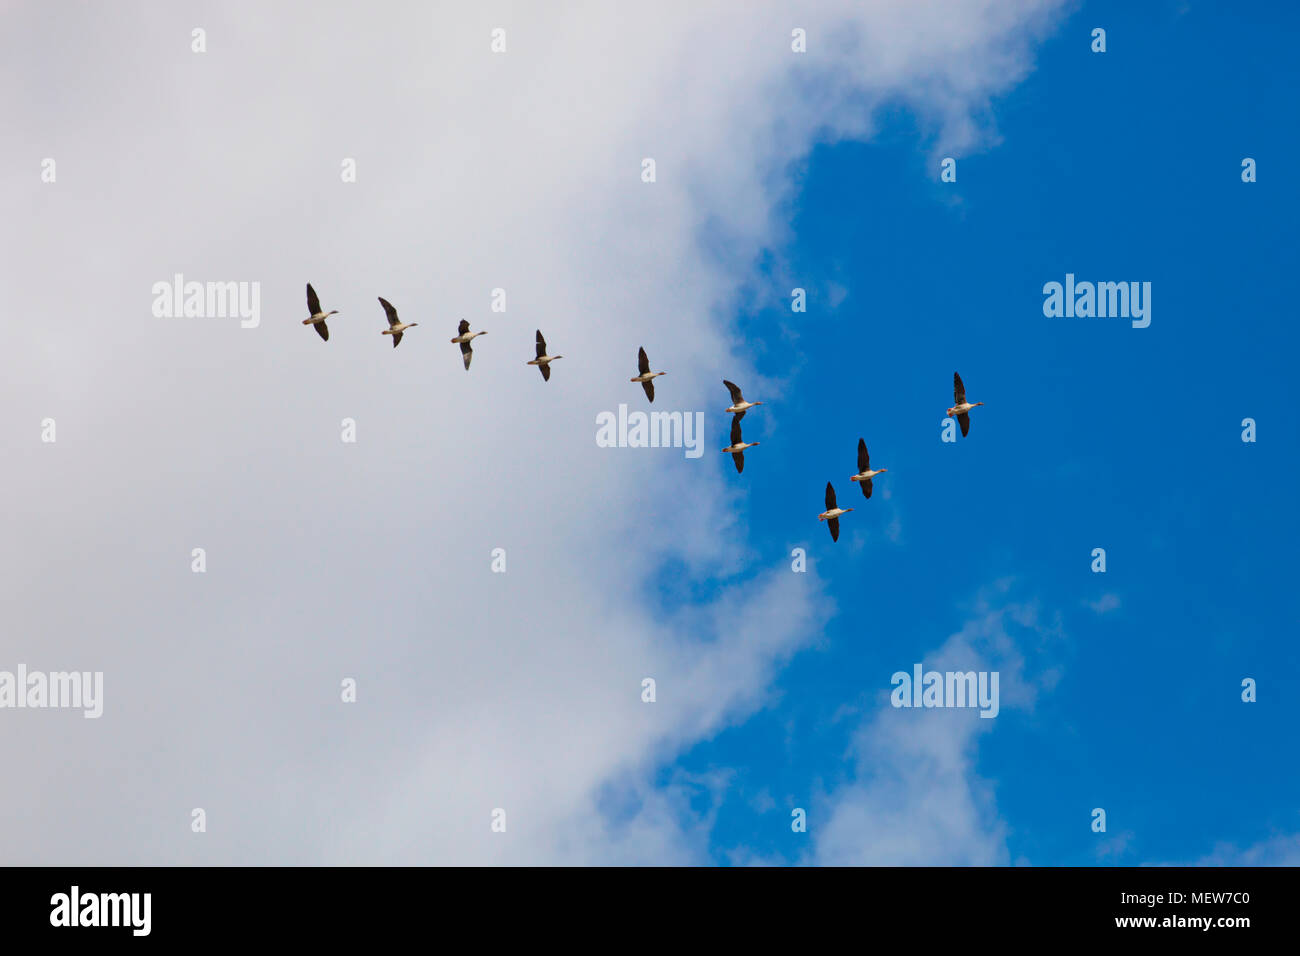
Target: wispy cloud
{"type": "Point", "coordinates": [1282, 849]}
{"type": "Point", "coordinates": [1106, 603]}
{"type": "Point", "coordinates": [917, 797]}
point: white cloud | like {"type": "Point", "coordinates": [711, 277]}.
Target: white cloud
{"type": "Point", "coordinates": [325, 561]}
{"type": "Point", "coordinates": [1112, 847]}
{"type": "Point", "coordinates": [1278, 850]}
{"type": "Point", "coordinates": [916, 796]}
{"type": "Point", "coordinates": [1104, 604]}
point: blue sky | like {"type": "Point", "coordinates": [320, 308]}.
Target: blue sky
{"type": "Point", "coordinates": [1116, 166]}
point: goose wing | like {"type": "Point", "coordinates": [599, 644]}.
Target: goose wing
{"type": "Point", "coordinates": [834, 525]}
{"type": "Point", "coordinates": [391, 313]}
{"type": "Point", "coordinates": [649, 390]}
{"type": "Point", "coordinates": [964, 421]}
{"type": "Point", "coordinates": [324, 332]}
{"type": "Point", "coordinates": [739, 458]}
{"type": "Point", "coordinates": [546, 371]}
{"type": "Point", "coordinates": [643, 361]}
{"type": "Point", "coordinates": [466, 353]}
{"type": "Point", "coordinates": [958, 389]}
{"type": "Point", "coordinates": [734, 389]}
{"type": "Point", "coordinates": [541, 344]}
{"type": "Point", "coordinates": [313, 303]}
{"type": "Point", "coordinates": [864, 460]}
{"type": "Point", "coordinates": [464, 327]}
{"type": "Point", "coordinates": [866, 488]}
{"type": "Point", "coordinates": [830, 497]}
{"type": "Point", "coordinates": [397, 337]}
{"type": "Point", "coordinates": [735, 431]}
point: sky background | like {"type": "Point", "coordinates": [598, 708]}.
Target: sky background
{"type": "Point", "coordinates": [521, 690]}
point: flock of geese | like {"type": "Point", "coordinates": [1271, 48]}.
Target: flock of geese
{"type": "Point", "coordinates": [960, 411]}
{"type": "Point", "coordinates": [464, 338]}
{"type": "Point", "coordinates": [739, 406]}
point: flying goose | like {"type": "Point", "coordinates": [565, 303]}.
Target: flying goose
{"type": "Point", "coordinates": [317, 316]}
{"type": "Point", "coordinates": [463, 338]}
{"type": "Point", "coordinates": [738, 404]}
{"type": "Point", "coordinates": [646, 378]}
{"type": "Point", "coordinates": [738, 445]}
{"type": "Point", "coordinates": [865, 474]}
{"type": "Point", "coordinates": [962, 407]}
{"type": "Point", "coordinates": [832, 513]}
{"type": "Point", "coordinates": [395, 327]}
{"type": "Point", "coordinates": [543, 361]}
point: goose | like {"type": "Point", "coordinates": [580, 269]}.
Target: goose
{"type": "Point", "coordinates": [738, 404]}
{"type": "Point", "coordinates": [962, 409]}
{"type": "Point", "coordinates": [543, 361]}
{"type": "Point", "coordinates": [395, 327]}
{"type": "Point", "coordinates": [865, 474]}
{"type": "Point", "coordinates": [463, 338]}
{"type": "Point", "coordinates": [317, 316]}
{"type": "Point", "coordinates": [738, 445]}
{"type": "Point", "coordinates": [832, 513]}
{"type": "Point", "coordinates": [646, 378]}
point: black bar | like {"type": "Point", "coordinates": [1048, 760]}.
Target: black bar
{"type": "Point", "coordinates": [334, 905]}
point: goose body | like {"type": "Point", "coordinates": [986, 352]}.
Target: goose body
{"type": "Point", "coordinates": [543, 361]}
{"type": "Point", "coordinates": [832, 513]}
{"type": "Point", "coordinates": [463, 338]}
{"type": "Point", "coordinates": [645, 376]}
{"type": "Point", "coordinates": [738, 404]}
{"type": "Point", "coordinates": [738, 445]}
{"type": "Point", "coordinates": [961, 409]}
{"type": "Point", "coordinates": [865, 471]}
{"type": "Point", "coordinates": [317, 317]}
{"type": "Point", "coordinates": [395, 326]}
